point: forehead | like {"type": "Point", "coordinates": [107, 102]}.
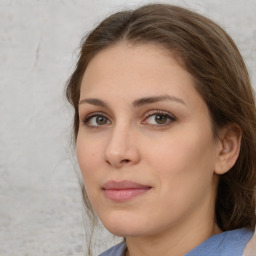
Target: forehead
{"type": "Point", "coordinates": [136, 70]}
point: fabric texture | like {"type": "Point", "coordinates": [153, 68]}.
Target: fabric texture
{"type": "Point", "coordinates": [117, 250]}
{"type": "Point", "coordinates": [229, 243]}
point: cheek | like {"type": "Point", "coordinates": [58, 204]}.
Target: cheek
{"type": "Point", "coordinates": [183, 158]}
{"type": "Point", "coordinates": [88, 152]}
{"type": "Point", "coordinates": [88, 160]}
{"type": "Point", "coordinates": [184, 167]}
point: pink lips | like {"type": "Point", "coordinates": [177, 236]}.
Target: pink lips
{"type": "Point", "coordinates": [123, 190]}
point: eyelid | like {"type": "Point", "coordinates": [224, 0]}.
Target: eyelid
{"type": "Point", "coordinates": [148, 114]}
{"type": "Point", "coordinates": [89, 116]}
{"type": "Point", "coordinates": [160, 112]}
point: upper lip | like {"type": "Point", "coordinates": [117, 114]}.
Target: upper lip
{"type": "Point", "coordinates": [125, 184]}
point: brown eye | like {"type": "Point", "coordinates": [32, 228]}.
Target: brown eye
{"type": "Point", "coordinates": [96, 121]}
{"type": "Point", "coordinates": [101, 120]}
{"type": "Point", "coordinates": [161, 119]}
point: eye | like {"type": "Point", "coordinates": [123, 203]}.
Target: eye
{"type": "Point", "coordinates": [159, 118]}
{"type": "Point", "coordinates": [96, 120]}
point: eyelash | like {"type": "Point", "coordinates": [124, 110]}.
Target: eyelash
{"type": "Point", "coordinates": [90, 116]}
{"type": "Point", "coordinates": [166, 114]}
{"type": "Point", "coordinates": [151, 113]}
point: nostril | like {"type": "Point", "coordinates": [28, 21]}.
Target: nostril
{"type": "Point", "coordinates": [108, 162]}
{"type": "Point", "coordinates": [118, 162]}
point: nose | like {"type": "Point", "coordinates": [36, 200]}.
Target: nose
{"type": "Point", "coordinates": [122, 148]}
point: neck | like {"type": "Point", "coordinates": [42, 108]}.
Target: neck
{"type": "Point", "coordinates": [176, 243]}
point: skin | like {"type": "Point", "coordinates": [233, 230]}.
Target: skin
{"type": "Point", "coordinates": [178, 158]}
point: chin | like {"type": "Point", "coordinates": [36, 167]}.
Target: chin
{"type": "Point", "coordinates": [123, 226]}
{"type": "Point", "coordinates": [124, 231]}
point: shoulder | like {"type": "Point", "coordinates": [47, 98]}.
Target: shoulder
{"type": "Point", "coordinates": [229, 243]}
{"type": "Point", "coordinates": [117, 250]}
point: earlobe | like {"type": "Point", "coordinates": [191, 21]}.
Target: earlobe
{"type": "Point", "coordinates": [228, 151]}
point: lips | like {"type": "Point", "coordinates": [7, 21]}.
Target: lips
{"type": "Point", "coordinates": [123, 190]}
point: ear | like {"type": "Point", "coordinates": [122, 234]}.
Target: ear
{"type": "Point", "coordinates": [229, 148]}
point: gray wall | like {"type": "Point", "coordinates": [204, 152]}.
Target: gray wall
{"type": "Point", "coordinates": [40, 204]}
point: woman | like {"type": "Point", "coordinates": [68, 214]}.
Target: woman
{"type": "Point", "coordinates": [165, 129]}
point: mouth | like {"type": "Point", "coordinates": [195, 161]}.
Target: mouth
{"type": "Point", "coordinates": [120, 191]}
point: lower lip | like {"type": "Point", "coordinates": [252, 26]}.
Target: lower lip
{"type": "Point", "coordinates": [120, 195]}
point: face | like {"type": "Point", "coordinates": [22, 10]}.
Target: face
{"type": "Point", "coordinates": [145, 145]}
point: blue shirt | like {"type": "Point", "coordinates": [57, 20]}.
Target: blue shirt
{"type": "Point", "coordinates": [229, 243]}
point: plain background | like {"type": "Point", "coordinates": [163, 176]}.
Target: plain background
{"type": "Point", "coordinates": [40, 203]}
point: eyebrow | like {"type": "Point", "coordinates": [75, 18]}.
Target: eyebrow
{"type": "Point", "coordinates": [94, 101]}
{"type": "Point", "coordinates": [149, 100]}
{"type": "Point", "coordinates": [137, 103]}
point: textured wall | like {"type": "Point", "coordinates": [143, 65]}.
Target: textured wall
{"type": "Point", "coordinates": [40, 205]}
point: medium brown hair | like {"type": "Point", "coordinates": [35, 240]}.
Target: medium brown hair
{"type": "Point", "coordinates": [221, 77]}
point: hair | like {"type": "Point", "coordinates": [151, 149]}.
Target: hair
{"type": "Point", "coordinates": [221, 78]}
